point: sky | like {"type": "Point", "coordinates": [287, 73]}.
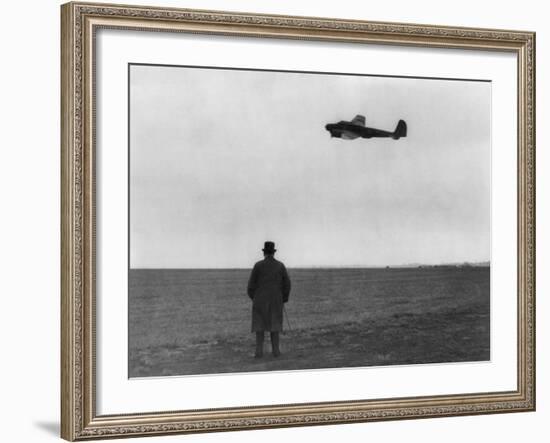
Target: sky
{"type": "Point", "coordinates": [223, 160]}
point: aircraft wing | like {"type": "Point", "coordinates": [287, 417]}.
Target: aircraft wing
{"type": "Point", "coordinates": [359, 120]}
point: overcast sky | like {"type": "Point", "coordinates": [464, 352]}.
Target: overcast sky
{"type": "Point", "coordinates": [222, 160]}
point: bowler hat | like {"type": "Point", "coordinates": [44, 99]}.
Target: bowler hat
{"type": "Point", "coordinates": [269, 247]}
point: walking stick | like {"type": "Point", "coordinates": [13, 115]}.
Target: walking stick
{"type": "Point", "coordinates": [286, 316]}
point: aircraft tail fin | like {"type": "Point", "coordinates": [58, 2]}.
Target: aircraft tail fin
{"type": "Point", "coordinates": [400, 130]}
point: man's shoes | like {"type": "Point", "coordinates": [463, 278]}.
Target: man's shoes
{"type": "Point", "coordinates": [258, 355]}
{"type": "Point", "coordinates": [276, 353]}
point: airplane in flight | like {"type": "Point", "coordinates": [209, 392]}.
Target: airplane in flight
{"type": "Point", "coordinates": [356, 128]}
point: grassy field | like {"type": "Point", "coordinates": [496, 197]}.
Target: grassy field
{"type": "Point", "coordinates": [198, 321]}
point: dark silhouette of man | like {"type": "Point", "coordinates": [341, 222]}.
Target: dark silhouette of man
{"type": "Point", "coordinates": [269, 289]}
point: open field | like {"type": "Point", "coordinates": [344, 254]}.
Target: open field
{"type": "Point", "coordinates": [198, 321]}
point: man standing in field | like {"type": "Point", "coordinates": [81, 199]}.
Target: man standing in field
{"type": "Point", "coordinates": [269, 289]}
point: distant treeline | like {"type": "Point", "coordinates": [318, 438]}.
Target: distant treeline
{"type": "Point", "coordinates": [446, 265]}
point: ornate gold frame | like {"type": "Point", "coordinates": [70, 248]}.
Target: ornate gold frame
{"type": "Point", "coordinates": [79, 21]}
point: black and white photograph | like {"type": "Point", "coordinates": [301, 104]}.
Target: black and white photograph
{"type": "Point", "coordinates": [285, 220]}
{"type": "Point", "coordinates": [275, 221]}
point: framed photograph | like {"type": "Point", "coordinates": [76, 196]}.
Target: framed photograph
{"type": "Point", "coordinates": [277, 221]}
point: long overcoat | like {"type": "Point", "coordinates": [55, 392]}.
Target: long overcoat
{"type": "Point", "coordinates": [269, 288]}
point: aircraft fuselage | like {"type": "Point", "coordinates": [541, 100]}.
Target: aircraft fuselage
{"type": "Point", "coordinates": [350, 131]}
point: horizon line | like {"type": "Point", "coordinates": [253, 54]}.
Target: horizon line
{"type": "Point", "coordinates": [482, 263]}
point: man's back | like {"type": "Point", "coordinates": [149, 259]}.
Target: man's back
{"type": "Point", "coordinates": [269, 279]}
{"type": "Point", "coordinates": [269, 289]}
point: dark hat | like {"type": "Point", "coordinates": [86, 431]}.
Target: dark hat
{"type": "Point", "coordinates": [269, 247]}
